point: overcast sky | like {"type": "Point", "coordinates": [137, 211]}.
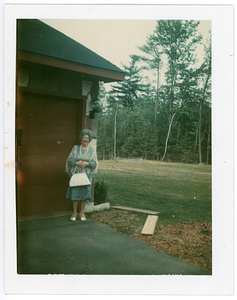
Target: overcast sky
{"type": "Point", "coordinates": [114, 40]}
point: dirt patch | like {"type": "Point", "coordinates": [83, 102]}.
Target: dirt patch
{"type": "Point", "coordinates": [187, 241]}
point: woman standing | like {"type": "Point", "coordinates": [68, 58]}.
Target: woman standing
{"type": "Point", "coordinates": [81, 159]}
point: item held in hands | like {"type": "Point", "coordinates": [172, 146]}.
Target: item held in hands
{"type": "Point", "coordinates": [79, 179]}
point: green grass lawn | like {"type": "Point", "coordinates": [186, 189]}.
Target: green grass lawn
{"type": "Point", "coordinates": [180, 192]}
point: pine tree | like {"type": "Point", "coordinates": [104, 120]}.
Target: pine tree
{"type": "Point", "coordinates": [127, 91]}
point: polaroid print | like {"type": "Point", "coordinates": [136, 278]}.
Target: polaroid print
{"type": "Point", "coordinates": [146, 82]}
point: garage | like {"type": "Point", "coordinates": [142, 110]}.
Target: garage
{"type": "Point", "coordinates": [57, 82]}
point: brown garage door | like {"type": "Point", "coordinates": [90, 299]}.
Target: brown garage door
{"type": "Point", "coordinates": [47, 128]}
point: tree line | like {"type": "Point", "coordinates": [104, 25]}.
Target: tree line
{"type": "Point", "coordinates": [168, 120]}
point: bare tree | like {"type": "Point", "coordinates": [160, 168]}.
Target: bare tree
{"type": "Point", "coordinates": [208, 71]}
{"type": "Point", "coordinates": [168, 134]}
{"type": "Point", "coordinates": [115, 129]}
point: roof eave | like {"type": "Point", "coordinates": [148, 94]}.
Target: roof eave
{"type": "Point", "coordinates": [104, 74]}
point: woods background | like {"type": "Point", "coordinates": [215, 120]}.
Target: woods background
{"type": "Point", "coordinates": [167, 120]}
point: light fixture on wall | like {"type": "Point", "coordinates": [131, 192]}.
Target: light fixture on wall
{"type": "Point", "coordinates": [95, 106]}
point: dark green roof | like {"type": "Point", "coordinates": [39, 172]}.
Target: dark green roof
{"type": "Point", "coordinates": [37, 37]}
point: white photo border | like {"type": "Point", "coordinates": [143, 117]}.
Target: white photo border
{"type": "Point", "coordinates": [221, 281]}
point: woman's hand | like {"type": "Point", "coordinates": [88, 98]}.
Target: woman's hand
{"type": "Point", "coordinates": [82, 163]}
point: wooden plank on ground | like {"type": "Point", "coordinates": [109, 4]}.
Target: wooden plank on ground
{"type": "Point", "coordinates": [150, 225]}
{"type": "Point", "coordinates": [150, 212]}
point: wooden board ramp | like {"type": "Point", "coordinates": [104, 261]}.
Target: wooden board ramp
{"type": "Point", "coordinates": [150, 225]}
{"type": "Point", "coordinates": [150, 212]}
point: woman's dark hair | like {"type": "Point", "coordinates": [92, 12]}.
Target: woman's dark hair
{"type": "Point", "coordinates": [85, 132]}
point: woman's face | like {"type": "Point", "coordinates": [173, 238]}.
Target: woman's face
{"type": "Point", "coordinates": [85, 140]}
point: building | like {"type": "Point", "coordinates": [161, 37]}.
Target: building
{"type": "Point", "coordinates": [57, 83]}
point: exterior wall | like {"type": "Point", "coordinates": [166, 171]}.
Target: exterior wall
{"type": "Point", "coordinates": [44, 96]}
{"type": "Point", "coordinates": [52, 105]}
{"type": "Point", "coordinates": [91, 90]}
{"type": "Point", "coordinates": [49, 129]}
{"type": "Point", "coordinates": [50, 80]}
{"type": "Point", "coordinates": [50, 114]}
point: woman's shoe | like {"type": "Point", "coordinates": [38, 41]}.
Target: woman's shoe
{"type": "Point", "coordinates": [73, 219]}
{"type": "Point", "coordinates": [83, 219]}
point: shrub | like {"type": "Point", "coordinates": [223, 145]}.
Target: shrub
{"type": "Point", "coordinates": [205, 229]}
{"type": "Point", "coordinates": [100, 192]}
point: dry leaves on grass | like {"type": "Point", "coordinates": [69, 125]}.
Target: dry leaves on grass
{"type": "Point", "coordinates": [184, 241]}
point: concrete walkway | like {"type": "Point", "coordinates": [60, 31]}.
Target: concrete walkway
{"type": "Point", "coordinates": [54, 245]}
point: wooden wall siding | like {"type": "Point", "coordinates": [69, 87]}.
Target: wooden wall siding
{"type": "Point", "coordinates": [41, 200]}
{"type": "Point", "coordinates": [92, 123]}
{"type": "Point", "coordinates": [54, 80]}
{"type": "Point", "coordinates": [50, 114]}
{"type": "Point", "coordinates": [88, 123]}
{"type": "Point", "coordinates": [49, 128]}
{"type": "Point", "coordinates": [95, 89]}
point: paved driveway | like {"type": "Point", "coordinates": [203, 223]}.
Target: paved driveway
{"type": "Point", "coordinates": [54, 245]}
